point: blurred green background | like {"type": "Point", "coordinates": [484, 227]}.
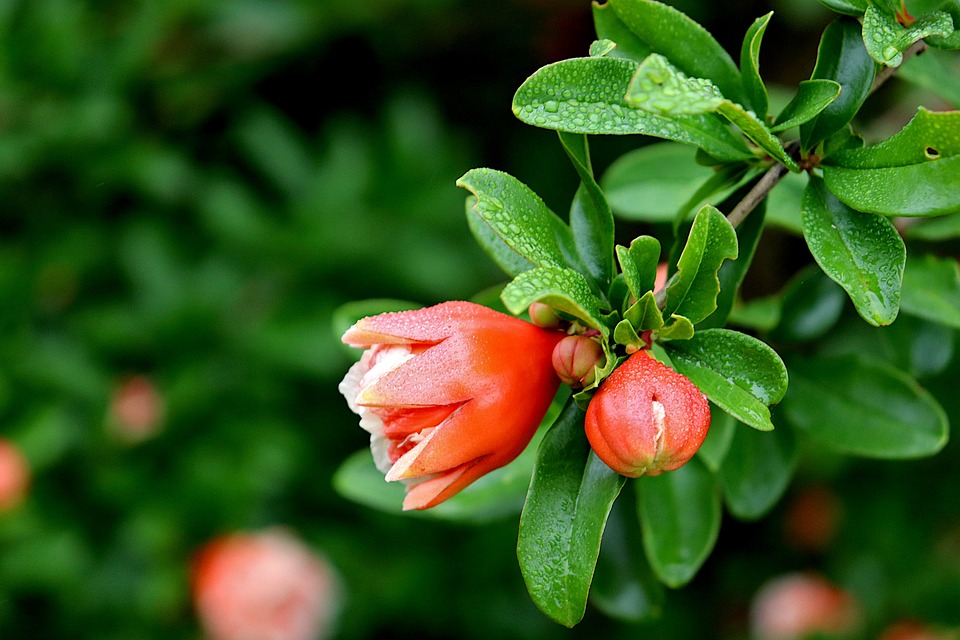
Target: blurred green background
{"type": "Point", "coordinates": [190, 188]}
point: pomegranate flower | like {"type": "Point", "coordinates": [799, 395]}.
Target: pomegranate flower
{"type": "Point", "coordinates": [448, 393]}
{"type": "Point", "coordinates": [646, 418]}
{"type": "Point", "coordinates": [14, 475]}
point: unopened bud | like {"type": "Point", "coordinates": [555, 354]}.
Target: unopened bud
{"type": "Point", "coordinates": [543, 316]}
{"type": "Point", "coordinates": [575, 359]}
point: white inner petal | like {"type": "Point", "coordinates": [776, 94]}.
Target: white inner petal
{"type": "Point", "coordinates": [659, 413]}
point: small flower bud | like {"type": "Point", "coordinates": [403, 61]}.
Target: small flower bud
{"type": "Point", "coordinates": [543, 316]}
{"type": "Point", "coordinates": [575, 359]}
{"type": "Point", "coordinates": [646, 418]}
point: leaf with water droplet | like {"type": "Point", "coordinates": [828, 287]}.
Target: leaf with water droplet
{"type": "Point", "coordinates": [886, 39]}
{"type": "Point", "coordinates": [739, 373]}
{"type": "Point", "coordinates": [915, 172]}
{"type": "Point", "coordinates": [563, 289]}
{"type": "Point", "coordinates": [862, 252]}
{"type": "Point", "coordinates": [561, 527]}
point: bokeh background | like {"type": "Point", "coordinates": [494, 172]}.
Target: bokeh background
{"type": "Point", "coordinates": [188, 191]}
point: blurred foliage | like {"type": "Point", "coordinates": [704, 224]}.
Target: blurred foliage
{"type": "Point", "coordinates": [190, 188]}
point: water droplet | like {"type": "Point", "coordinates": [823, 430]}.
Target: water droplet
{"type": "Point", "coordinates": [551, 106]}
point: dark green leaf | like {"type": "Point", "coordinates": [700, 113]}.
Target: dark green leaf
{"type": "Point", "coordinates": [680, 518]}
{"type": "Point", "coordinates": [685, 43]}
{"type": "Point", "coordinates": [931, 289]}
{"type": "Point", "coordinates": [563, 289]}
{"type": "Point", "coordinates": [942, 228]}
{"type": "Point", "coordinates": [812, 304]}
{"type": "Point", "coordinates": [843, 59]}
{"type": "Point", "coordinates": [662, 89]}
{"type": "Point", "coordinates": [886, 39]}
{"type": "Point", "coordinates": [812, 97]}
{"type": "Point", "coordinates": [717, 443]}
{"type": "Point", "coordinates": [693, 292]}
{"type": "Point", "coordinates": [916, 172]}
{"type": "Point", "coordinates": [586, 95]}
{"type": "Point", "coordinates": [591, 219]}
{"type": "Point", "coordinates": [757, 470]}
{"type": "Point", "coordinates": [639, 264]}
{"type": "Point", "coordinates": [515, 214]}
{"type": "Point", "coordinates": [750, 66]}
{"type": "Point", "coordinates": [739, 373]}
{"type": "Point", "coordinates": [563, 518]}
{"type": "Point", "coordinates": [653, 182]}
{"type": "Point", "coordinates": [611, 27]}
{"type": "Point", "coordinates": [499, 251]}
{"type": "Point", "coordinates": [861, 252]}
{"type": "Point", "coordinates": [624, 586]}
{"type": "Point", "coordinates": [848, 7]}
{"type": "Point", "coordinates": [865, 409]}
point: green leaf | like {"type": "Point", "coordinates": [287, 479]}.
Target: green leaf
{"type": "Point", "coordinates": [586, 95]}
{"type": "Point", "coordinates": [591, 219]}
{"type": "Point", "coordinates": [516, 215]}
{"type": "Point", "coordinates": [609, 26]}
{"type": "Point", "coordinates": [848, 7]}
{"type": "Point", "coordinates": [680, 329]}
{"type": "Point", "coordinates": [693, 291]}
{"type": "Point", "coordinates": [653, 182]}
{"type": "Point", "coordinates": [680, 519]}
{"type": "Point", "coordinates": [861, 252]}
{"type": "Point", "coordinates": [732, 272]}
{"type": "Point", "coordinates": [886, 39]}
{"type": "Point", "coordinates": [843, 59]}
{"type": "Point", "coordinates": [812, 304]}
{"type": "Point", "coordinates": [915, 172]}
{"type": "Point", "coordinates": [942, 228]}
{"type": "Point", "coordinates": [563, 518]}
{"type": "Point", "coordinates": [931, 289]}
{"type": "Point", "coordinates": [624, 586]}
{"type": "Point", "coordinates": [936, 71]}
{"type": "Point", "coordinates": [717, 443]}
{"type": "Point", "coordinates": [639, 264]}
{"type": "Point", "coordinates": [662, 89]}
{"type": "Point", "coordinates": [685, 43]}
{"type": "Point", "coordinates": [563, 289]}
{"type": "Point", "coordinates": [812, 97]}
{"type": "Point", "coordinates": [757, 470]}
{"type": "Point", "coordinates": [865, 409]}
{"type": "Point", "coordinates": [499, 251]}
{"type": "Point", "coordinates": [645, 314]}
{"type": "Point", "coordinates": [783, 203]}
{"type": "Point", "coordinates": [750, 66]}
{"type": "Point", "coordinates": [497, 495]}
{"type": "Point", "coordinates": [739, 373]}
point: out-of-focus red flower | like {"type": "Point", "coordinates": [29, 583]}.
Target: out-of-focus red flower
{"type": "Point", "coordinates": [797, 605]}
{"type": "Point", "coordinates": [646, 418]}
{"type": "Point", "coordinates": [448, 393]}
{"type": "Point", "coordinates": [263, 586]}
{"type": "Point", "coordinates": [812, 518]}
{"type": "Point", "coordinates": [916, 630]}
{"type": "Point", "coordinates": [14, 475]}
{"type": "Point", "coordinates": [136, 409]}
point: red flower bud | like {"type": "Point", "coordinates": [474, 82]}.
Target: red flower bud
{"type": "Point", "coordinates": [574, 359]}
{"type": "Point", "coordinates": [448, 393]}
{"type": "Point", "coordinates": [646, 418]}
{"type": "Point", "coordinates": [14, 475]}
{"type": "Point", "coordinates": [544, 316]}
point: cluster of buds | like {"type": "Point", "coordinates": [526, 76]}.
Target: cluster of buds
{"type": "Point", "coordinates": [451, 392]}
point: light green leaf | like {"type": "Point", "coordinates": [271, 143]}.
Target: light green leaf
{"type": "Point", "coordinates": [586, 95]}
{"type": "Point", "coordinates": [679, 329]}
{"type": "Point", "coordinates": [750, 66]}
{"type": "Point", "coordinates": [591, 219]}
{"type": "Point", "coordinates": [864, 409]}
{"type": "Point", "coordinates": [915, 172]}
{"type": "Point", "coordinates": [644, 314]}
{"type": "Point", "coordinates": [639, 264]}
{"type": "Point", "coordinates": [757, 470]}
{"type": "Point", "coordinates": [516, 215]}
{"type": "Point", "coordinates": [739, 373]}
{"type": "Point", "coordinates": [812, 97]}
{"type": "Point", "coordinates": [886, 39]}
{"type": "Point", "coordinates": [609, 26]}
{"type": "Point", "coordinates": [563, 289]}
{"type": "Point", "coordinates": [653, 182]}
{"type": "Point", "coordinates": [680, 519]}
{"type": "Point", "coordinates": [693, 291]}
{"type": "Point", "coordinates": [602, 47]}
{"type": "Point", "coordinates": [931, 289]}
{"type": "Point", "coordinates": [563, 518]}
{"type": "Point", "coordinates": [861, 252]}
{"type": "Point", "coordinates": [685, 43]}
{"type": "Point", "coordinates": [499, 251]}
{"type": "Point", "coordinates": [843, 59]}
{"type": "Point", "coordinates": [660, 88]}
